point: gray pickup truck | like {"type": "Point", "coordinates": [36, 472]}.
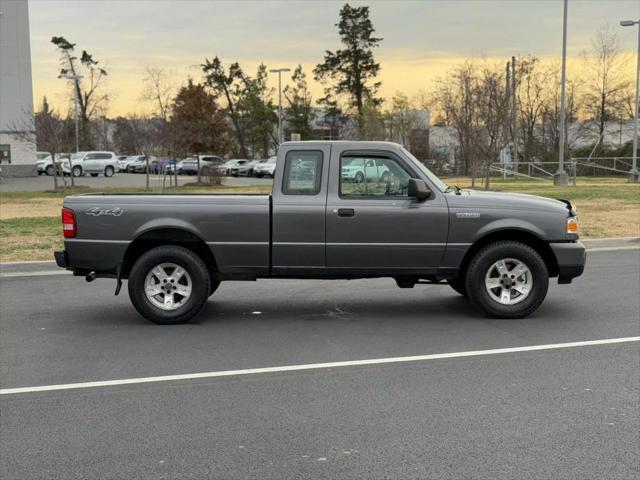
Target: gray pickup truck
{"type": "Point", "coordinates": [339, 210]}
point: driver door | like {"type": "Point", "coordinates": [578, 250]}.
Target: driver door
{"type": "Point", "coordinates": [374, 226]}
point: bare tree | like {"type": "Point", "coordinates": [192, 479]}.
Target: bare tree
{"type": "Point", "coordinates": [492, 103]}
{"type": "Point", "coordinates": [49, 131]}
{"type": "Point", "coordinates": [605, 79]}
{"type": "Point", "coordinates": [403, 119]}
{"type": "Point", "coordinates": [158, 90]}
{"type": "Point", "coordinates": [455, 97]}
{"type": "Point", "coordinates": [88, 90]}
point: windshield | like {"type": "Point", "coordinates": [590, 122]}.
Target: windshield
{"type": "Point", "coordinates": [440, 185]}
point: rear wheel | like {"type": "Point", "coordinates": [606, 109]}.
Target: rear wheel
{"type": "Point", "coordinates": [109, 171]}
{"type": "Point", "coordinates": [169, 285]}
{"type": "Point", "coordinates": [507, 279]}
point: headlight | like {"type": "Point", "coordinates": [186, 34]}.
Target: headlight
{"type": "Point", "coordinates": [572, 225]}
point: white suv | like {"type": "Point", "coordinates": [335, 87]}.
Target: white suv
{"type": "Point", "coordinates": [94, 163]}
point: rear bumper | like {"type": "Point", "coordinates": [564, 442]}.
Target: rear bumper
{"type": "Point", "coordinates": [61, 259]}
{"type": "Point", "coordinates": [571, 258]}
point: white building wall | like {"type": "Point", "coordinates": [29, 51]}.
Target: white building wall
{"type": "Point", "coordinates": [16, 92]}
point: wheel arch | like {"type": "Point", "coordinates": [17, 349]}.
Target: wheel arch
{"type": "Point", "coordinates": [515, 234]}
{"type": "Point", "coordinates": [156, 237]}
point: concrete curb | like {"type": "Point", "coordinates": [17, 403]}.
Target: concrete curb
{"type": "Point", "coordinates": [32, 268]}
{"type": "Point", "coordinates": [620, 242]}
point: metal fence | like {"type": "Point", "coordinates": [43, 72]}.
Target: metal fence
{"type": "Point", "coordinates": [575, 167]}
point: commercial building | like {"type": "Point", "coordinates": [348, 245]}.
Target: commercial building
{"type": "Point", "coordinates": [17, 143]}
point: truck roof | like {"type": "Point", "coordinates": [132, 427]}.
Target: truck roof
{"type": "Point", "coordinates": [355, 144]}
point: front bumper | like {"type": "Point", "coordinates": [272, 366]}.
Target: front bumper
{"type": "Point", "coordinates": [571, 258]}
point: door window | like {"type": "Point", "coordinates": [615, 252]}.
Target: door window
{"type": "Point", "coordinates": [302, 173]}
{"type": "Point", "coordinates": [372, 177]}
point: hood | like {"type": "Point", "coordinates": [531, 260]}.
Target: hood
{"type": "Point", "coordinates": [478, 199]}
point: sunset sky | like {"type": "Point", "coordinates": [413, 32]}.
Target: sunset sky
{"type": "Point", "coordinates": [421, 38]}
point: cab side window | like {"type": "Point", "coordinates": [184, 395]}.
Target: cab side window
{"type": "Point", "coordinates": [302, 173]}
{"type": "Point", "coordinates": [373, 177]}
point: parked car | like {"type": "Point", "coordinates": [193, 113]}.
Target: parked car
{"type": "Point", "coordinates": [243, 168]}
{"type": "Point", "coordinates": [189, 166]}
{"type": "Point", "coordinates": [497, 249]}
{"type": "Point", "coordinates": [93, 163]}
{"type": "Point", "coordinates": [124, 161]}
{"type": "Point", "coordinates": [44, 163]}
{"type": "Point", "coordinates": [225, 168]}
{"type": "Point", "coordinates": [138, 164]}
{"type": "Point", "coordinates": [365, 170]}
{"type": "Point", "coordinates": [265, 167]}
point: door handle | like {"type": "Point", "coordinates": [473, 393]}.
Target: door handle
{"type": "Point", "coordinates": [346, 212]}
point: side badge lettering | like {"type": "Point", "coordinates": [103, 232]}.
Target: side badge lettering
{"type": "Point", "coordinates": [97, 211]}
{"type": "Point", "coordinates": [468, 215]}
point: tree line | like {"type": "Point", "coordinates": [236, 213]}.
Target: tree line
{"type": "Point", "coordinates": [230, 111]}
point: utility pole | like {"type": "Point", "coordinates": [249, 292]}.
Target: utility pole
{"type": "Point", "coordinates": [76, 101]}
{"type": "Point", "coordinates": [279, 72]}
{"type": "Point", "coordinates": [561, 178]}
{"type": "Point", "coordinates": [514, 111]}
{"type": "Point", "coordinates": [634, 175]}
{"type": "Point", "coordinates": [507, 93]}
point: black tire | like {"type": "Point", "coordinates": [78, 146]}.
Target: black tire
{"type": "Point", "coordinates": [359, 177]}
{"type": "Point", "coordinates": [76, 171]}
{"type": "Point", "coordinates": [482, 262]}
{"type": "Point", "coordinates": [109, 171]}
{"type": "Point", "coordinates": [458, 284]}
{"type": "Point", "coordinates": [94, 174]}
{"type": "Point", "coordinates": [195, 267]}
{"type": "Point", "coordinates": [214, 286]}
{"type": "Point", "coordinates": [49, 171]}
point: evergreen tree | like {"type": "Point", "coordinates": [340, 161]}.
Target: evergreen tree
{"type": "Point", "coordinates": [352, 71]}
{"type": "Point", "coordinates": [299, 112]}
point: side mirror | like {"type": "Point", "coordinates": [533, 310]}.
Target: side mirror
{"type": "Point", "coordinates": [418, 189]}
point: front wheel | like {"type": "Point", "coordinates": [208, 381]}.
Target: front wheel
{"type": "Point", "coordinates": [76, 171]}
{"type": "Point", "coordinates": [458, 284]}
{"type": "Point", "coordinates": [169, 285]}
{"type": "Point", "coordinates": [49, 171]}
{"type": "Point", "coordinates": [507, 279]}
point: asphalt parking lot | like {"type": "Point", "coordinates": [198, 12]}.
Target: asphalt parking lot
{"type": "Point", "coordinates": [545, 413]}
{"type": "Point", "coordinates": [119, 180]}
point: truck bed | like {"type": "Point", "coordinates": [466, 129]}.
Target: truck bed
{"type": "Point", "coordinates": [235, 227]}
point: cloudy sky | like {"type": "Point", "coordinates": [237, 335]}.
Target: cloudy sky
{"type": "Point", "coordinates": [421, 38]}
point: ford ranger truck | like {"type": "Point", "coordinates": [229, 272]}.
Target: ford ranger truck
{"type": "Point", "coordinates": [322, 221]}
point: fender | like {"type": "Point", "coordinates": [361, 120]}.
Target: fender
{"type": "Point", "coordinates": [165, 223]}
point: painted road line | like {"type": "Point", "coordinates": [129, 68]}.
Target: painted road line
{"type": "Point", "coordinates": [315, 366]}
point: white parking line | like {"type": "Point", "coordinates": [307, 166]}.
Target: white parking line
{"type": "Point", "coordinates": [314, 366]}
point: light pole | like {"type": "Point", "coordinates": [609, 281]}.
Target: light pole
{"type": "Point", "coordinates": [279, 72]}
{"type": "Point", "coordinates": [76, 100]}
{"type": "Point", "coordinates": [561, 178]}
{"type": "Point", "coordinates": [634, 174]}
